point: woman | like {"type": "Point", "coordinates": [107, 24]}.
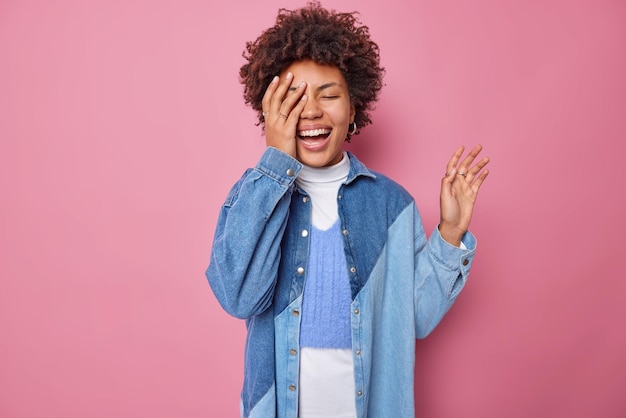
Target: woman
{"type": "Point", "coordinates": [327, 260]}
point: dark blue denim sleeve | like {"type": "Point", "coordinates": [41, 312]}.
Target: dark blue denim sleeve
{"type": "Point", "coordinates": [246, 245]}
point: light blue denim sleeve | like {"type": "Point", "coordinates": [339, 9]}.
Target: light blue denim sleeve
{"type": "Point", "coordinates": [441, 272]}
{"type": "Point", "coordinates": [246, 245]}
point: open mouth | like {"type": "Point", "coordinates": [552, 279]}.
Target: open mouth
{"type": "Point", "coordinates": [314, 134]}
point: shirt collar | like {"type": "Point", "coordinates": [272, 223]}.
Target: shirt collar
{"type": "Point", "coordinates": [357, 168]}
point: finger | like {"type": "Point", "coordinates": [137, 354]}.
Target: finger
{"type": "Point", "coordinates": [451, 167]}
{"type": "Point", "coordinates": [476, 168]}
{"type": "Point", "coordinates": [281, 90]}
{"type": "Point", "coordinates": [451, 172]}
{"type": "Point", "coordinates": [267, 96]}
{"type": "Point", "coordinates": [446, 188]}
{"type": "Point", "coordinates": [479, 180]}
{"type": "Point", "coordinates": [293, 98]}
{"type": "Point", "coordinates": [467, 161]}
{"type": "Point", "coordinates": [294, 116]}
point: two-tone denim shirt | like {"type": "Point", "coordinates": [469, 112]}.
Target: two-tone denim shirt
{"type": "Point", "coordinates": [402, 283]}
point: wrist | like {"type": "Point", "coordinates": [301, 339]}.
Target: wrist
{"type": "Point", "coordinates": [451, 234]}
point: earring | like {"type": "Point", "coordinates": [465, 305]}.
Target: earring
{"type": "Point", "coordinates": [352, 127]}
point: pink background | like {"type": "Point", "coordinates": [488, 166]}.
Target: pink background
{"type": "Point", "coordinates": [122, 128]}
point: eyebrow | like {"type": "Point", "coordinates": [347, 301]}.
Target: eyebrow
{"type": "Point", "coordinates": [320, 88]}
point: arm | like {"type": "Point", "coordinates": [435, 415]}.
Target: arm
{"type": "Point", "coordinates": [443, 263]}
{"type": "Point", "coordinates": [246, 245]}
{"type": "Point", "coordinates": [441, 271]}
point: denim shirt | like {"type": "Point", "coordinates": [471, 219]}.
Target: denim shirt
{"type": "Point", "coordinates": [402, 283]}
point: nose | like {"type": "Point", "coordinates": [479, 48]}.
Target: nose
{"type": "Point", "coordinates": [311, 110]}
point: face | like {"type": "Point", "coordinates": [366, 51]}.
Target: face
{"type": "Point", "coordinates": [323, 124]}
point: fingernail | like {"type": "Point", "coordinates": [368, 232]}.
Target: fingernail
{"type": "Point", "coordinates": [275, 79]}
{"type": "Point", "coordinates": [303, 98]}
{"type": "Point", "coordinates": [303, 84]}
{"type": "Point", "coordinates": [289, 75]}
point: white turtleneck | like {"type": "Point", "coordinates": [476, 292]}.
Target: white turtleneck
{"type": "Point", "coordinates": [326, 366]}
{"type": "Point", "coordinates": [322, 185]}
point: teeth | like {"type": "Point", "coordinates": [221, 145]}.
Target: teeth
{"type": "Point", "coordinates": [315, 132]}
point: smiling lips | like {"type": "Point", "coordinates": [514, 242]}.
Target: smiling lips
{"type": "Point", "coordinates": [314, 139]}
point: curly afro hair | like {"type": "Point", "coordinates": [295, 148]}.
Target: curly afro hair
{"type": "Point", "coordinates": [321, 35]}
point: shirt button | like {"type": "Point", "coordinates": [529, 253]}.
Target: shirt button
{"type": "Point", "coordinates": [292, 387]}
{"type": "Point", "coordinates": [345, 232]}
{"type": "Point", "coordinates": [465, 262]}
{"type": "Point", "coordinates": [290, 172]}
{"type": "Point", "coordinates": [356, 311]}
{"type": "Point", "coordinates": [305, 199]}
{"type": "Point", "coordinates": [292, 352]}
{"type": "Point", "coordinates": [359, 393]}
{"type": "Point", "coordinates": [295, 312]}
{"type": "Point", "coordinates": [300, 271]}
{"type": "Point", "coordinates": [352, 269]}
{"type": "Point", "coordinates": [358, 352]}
{"type": "Point", "coordinates": [340, 197]}
{"type": "Point", "coordinates": [304, 233]}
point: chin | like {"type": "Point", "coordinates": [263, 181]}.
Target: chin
{"type": "Point", "coordinates": [318, 161]}
{"type": "Point", "coordinates": [312, 162]}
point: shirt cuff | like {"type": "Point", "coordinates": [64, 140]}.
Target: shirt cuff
{"type": "Point", "coordinates": [278, 165]}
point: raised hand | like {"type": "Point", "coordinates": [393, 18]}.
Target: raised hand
{"type": "Point", "coordinates": [282, 106]}
{"type": "Point", "coordinates": [459, 189]}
